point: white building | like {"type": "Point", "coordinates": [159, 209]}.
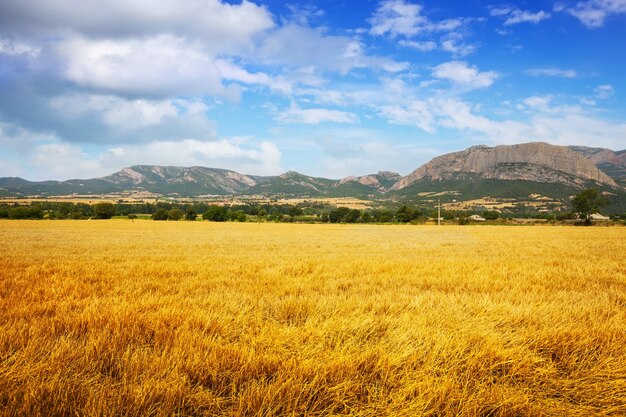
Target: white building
{"type": "Point", "coordinates": [476, 218]}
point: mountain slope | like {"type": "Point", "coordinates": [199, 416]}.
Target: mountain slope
{"type": "Point", "coordinates": [181, 180]}
{"type": "Point", "coordinates": [535, 162]}
{"type": "Point", "coordinates": [515, 171]}
{"type": "Point", "coordinates": [613, 163]}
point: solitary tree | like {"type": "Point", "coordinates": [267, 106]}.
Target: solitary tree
{"type": "Point", "coordinates": [588, 202]}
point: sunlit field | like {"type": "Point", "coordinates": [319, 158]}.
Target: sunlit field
{"type": "Point", "coordinates": [195, 318]}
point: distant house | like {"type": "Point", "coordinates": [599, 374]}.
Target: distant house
{"type": "Point", "coordinates": [476, 218]}
{"type": "Point", "coordinates": [599, 217]}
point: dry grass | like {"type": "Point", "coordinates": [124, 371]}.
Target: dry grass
{"type": "Point", "coordinates": [189, 318]}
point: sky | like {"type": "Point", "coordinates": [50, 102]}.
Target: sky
{"type": "Point", "coordinates": [325, 88]}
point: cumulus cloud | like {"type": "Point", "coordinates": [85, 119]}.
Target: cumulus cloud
{"type": "Point", "coordinates": [57, 160]}
{"type": "Point", "coordinates": [561, 125]}
{"type": "Point", "coordinates": [552, 72]}
{"type": "Point", "coordinates": [463, 75]}
{"type": "Point", "coordinates": [302, 46]}
{"type": "Point", "coordinates": [63, 161]}
{"type": "Point", "coordinates": [424, 46]}
{"type": "Point", "coordinates": [20, 140]}
{"type": "Point", "coordinates": [418, 113]}
{"type": "Point", "coordinates": [594, 13]}
{"type": "Point", "coordinates": [458, 48]}
{"type": "Point", "coordinates": [514, 16]}
{"type": "Point", "coordinates": [401, 18]}
{"type": "Point", "coordinates": [99, 118]}
{"type": "Point", "coordinates": [537, 102]}
{"type": "Point", "coordinates": [315, 116]}
{"type": "Point", "coordinates": [220, 25]}
{"type": "Point", "coordinates": [161, 66]}
{"type": "Point", "coordinates": [604, 91]}
{"type": "Point", "coordinates": [124, 114]}
{"type": "Point", "coordinates": [167, 49]}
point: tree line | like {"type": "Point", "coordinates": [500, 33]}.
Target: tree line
{"type": "Point", "coordinates": [583, 205]}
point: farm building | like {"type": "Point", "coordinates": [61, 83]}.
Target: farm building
{"type": "Point", "coordinates": [476, 218]}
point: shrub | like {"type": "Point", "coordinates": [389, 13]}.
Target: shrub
{"type": "Point", "coordinates": [160, 214]}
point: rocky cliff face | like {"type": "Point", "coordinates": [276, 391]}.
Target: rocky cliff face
{"type": "Point", "coordinates": [602, 156]}
{"type": "Point", "coordinates": [612, 163]}
{"type": "Point", "coordinates": [381, 181]}
{"type": "Point", "coordinates": [145, 175]}
{"type": "Point", "coordinates": [540, 162]}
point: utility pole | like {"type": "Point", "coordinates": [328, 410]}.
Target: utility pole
{"type": "Point", "coordinates": [438, 213]}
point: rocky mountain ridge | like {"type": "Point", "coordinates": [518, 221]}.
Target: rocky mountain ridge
{"type": "Point", "coordinates": [540, 163]}
{"type": "Point", "coordinates": [537, 161]}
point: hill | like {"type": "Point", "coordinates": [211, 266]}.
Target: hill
{"type": "Point", "coordinates": [507, 172]}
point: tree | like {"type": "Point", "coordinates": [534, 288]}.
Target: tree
{"type": "Point", "coordinates": [491, 215]}
{"type": "Point", "coordinates": [216, 214]}
{"type": "Point", "coordinates": [103, 210]}
{"type": "Point", "coordinates": [191, 214]}
{"type": "Point", "coordinates": [159, 214]}
{"type": "Point", "coordinates": [35, 211]}
{"type": "Point", "coordinates": [588, 202]}
{"type": "Point", "coordinates": [352, 216]}
{"type": "Point", "coordinates": [237, 216]}
{"type": "Point", "coordinates": [338, 215]}
{"type": "Point", "coordinates": [18, 213]}
{"type": "Point", "coordinates": [404, 214]}
{"type": "Point", "coordinates": [175, 214]}
{"type": "Point", "coordinates": [295, 211]}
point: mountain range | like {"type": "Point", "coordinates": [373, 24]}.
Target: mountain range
{"type": "Point", "coordinates": [507, 171]}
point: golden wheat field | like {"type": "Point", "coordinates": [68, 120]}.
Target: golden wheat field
{"type": "Point", "coordinates": [120, 318]}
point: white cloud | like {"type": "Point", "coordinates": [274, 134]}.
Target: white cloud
{"type": "Point", "coordinates": [166, 49]}
{"type": "Point", "coordinates": [514, 16]}
{"type": "Point", "coordinates": [115, 119]}
{"type": "Point", "coordinates": [18, 139]}
{"type": "Point", "coordinates": [458, 48]}
{"type": "Point", "coordinates": [64, 161]}
{"type": "Point", "coordinates": [302, 46]}
{"type": "Point", "coordinates": [315, 116]}
{"type": "Point", "coordinates": [115, 111]}
{"type": "Point", "coordinates": [418, 113]}
{"type": "Point", "coordinates": [13, 47]}
{"type": "Point", "coordinates": [552, 72]}
{"type": "Point", "coordinates": [537, 102]}
{"type": "Point", "coordinates": [561, 125]}
{"type": "Point", "coordinates": [220, 26]}
{"type": "Point", "coordinates": [424, 46]}
{"type": "Point", "coordinates": [604, 91]}
{"type": "Point", "coordinates": [304, 14]}
{"type": "Point", "coordinates": [230, 71]}
{"type": "Point", "coordinates": [463, 75]}
{"type": "Point", "coordinates": [344, 158]}
{"type": "Point", "coordinates": [164, 65]}
{"type": "Point", "coordinates": [593, 13]}
{"type": "Point", "coordinates": [401, 18]}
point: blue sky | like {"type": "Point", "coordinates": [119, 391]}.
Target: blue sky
{"type": "Point", "coordinates": [326, 88]}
